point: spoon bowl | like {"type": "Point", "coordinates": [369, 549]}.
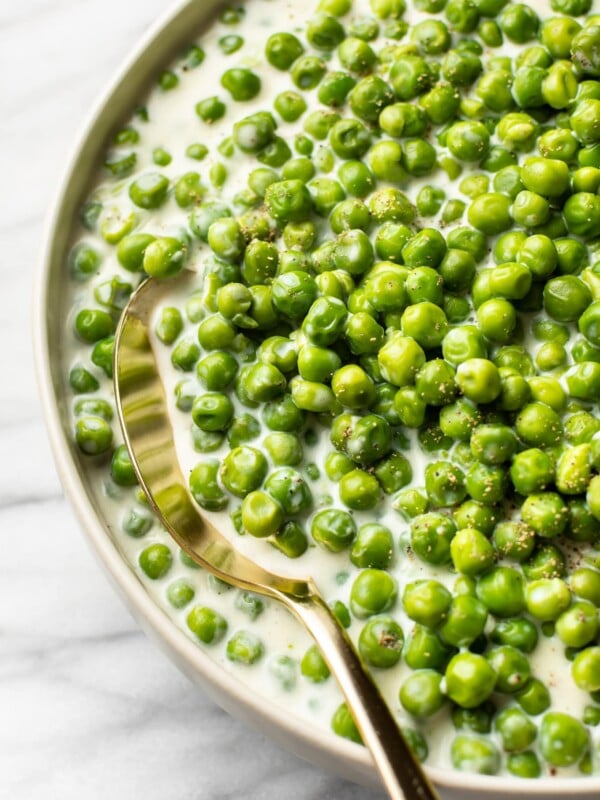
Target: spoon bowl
{"type": "Point", "coordinates": [148, 433]}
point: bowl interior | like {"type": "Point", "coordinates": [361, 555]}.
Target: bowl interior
{"type": "Point", "coordinates": [182, 23]}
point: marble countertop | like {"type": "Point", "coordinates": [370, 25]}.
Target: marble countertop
{"type": "Point", "coordinates": [89, 707]}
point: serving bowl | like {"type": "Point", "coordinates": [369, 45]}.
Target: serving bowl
{"type": "Point", "coordinates": [154, 51]}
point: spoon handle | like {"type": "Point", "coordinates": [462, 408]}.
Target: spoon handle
{"type": "Point", "coordinates": [402, 776]}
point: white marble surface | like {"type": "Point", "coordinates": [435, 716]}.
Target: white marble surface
{"type": "Point", "coordinates": [88, 707]}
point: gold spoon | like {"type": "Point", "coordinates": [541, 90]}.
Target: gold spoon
{"type": "Point", "coordinates": [147, 429]}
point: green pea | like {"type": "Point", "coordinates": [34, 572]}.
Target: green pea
{"type": "Point", "coordinates": [380, 642]}
{"type": "Point", "coordinates": [469, 679]}
{"type": "Point", "coordinates": [373, 546]}
{"type": "Point", "coordinates": [155, 561]}
{"type": "Point", "coordinates": [421, 695]}
{"type": "Point", "coordinates": [164, 257]}
{"type": "Point", "coordinates": [479, 380]}
{"type": "Point", "coordinates": [82, 381]}
{"type": "Point", "coordinates": [426, 602]}
{"type": "Point", "coordinates": [410, 76]}
{"type": "Point", "coordinates": [586, 669]}
{"type": "Point", "coordinates": [392, 205]}
{"type": "Point", "coordinates": [563, 739]}
{"type": "Point", "coordinates": [91, 325]}
{"type": "Point", "coordinates": [516, 730]}
{"type": "Point", "coordinates": [511, 667]}
{"type": "Point", "coordinates": [291, 540]}
{"type": "Point", "coordinates": [465, 621]}
{"type": "Point", "coordinates": [514, 540]}
{"type": "Point", "coordinates": [262, 515]}
{"type": "Point", "coordinates": [471, 552]}
{"type": "Point", "coordinates": [475, 514]}
{"type": "Point", "coordinates": [584, 54]}
{"type": "Point", "coordinates": [149, 191]}
{"type": "Point", "coordinates": [547, 598]}
{"type": "Point", "coordinates": [282, 49]}
{"type": "Point", "coordinates": [343, 724]}
{"type": "Point", "coordinates": [546, 513]}
{"type": "Point", "coordinates": [519, 633]}
{"type": "Point", "coordinates": [206, 624]}
{"type": "Point", "coordinates": [180, 593]}
{"type": "Point", "coordinates": [399, 359]}
{"type": "Point", "coordinates": [244, 648]}
{"type": "Point", "coordinates": [243, 470]}
{"type": "Point", "coordinates": [539, 425]}
{"type": "Point", "coordinates": [490, 213]}
{"type": "Point", "coordinates": [373, 592]}
{"type": "Point", "coordinates": [502, 590]}
{"type": "Point", "coordinates": [93, 435]}
{"type": "Point", "coordinates": [486, 484]}
{"type": "Point", "coordinates": [444, 483]}
{"type": "Point", "coordinates": [333, 529]}
{"type": "Point", "coordinates": [313, 665]}
{"type": "Point", "coordinates": [475, 754]}
{"type": "Point", "coordinates": [121, 468]}
{"type": "Point", "coordinates": [578, 625]}
{"type": "Point", "coordinates": [534, 699]}
{"type": "Point", "coordinates": [137, 522]}
{"type": "Point", "coordinates": [430, 537]}
{"type": "Point", "coordinates": [585, 583]}
{"type": "Point", "coordinates": [307, 71]}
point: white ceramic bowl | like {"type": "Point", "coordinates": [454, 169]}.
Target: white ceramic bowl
{"type": "Point", "coordinates": [155, 50]}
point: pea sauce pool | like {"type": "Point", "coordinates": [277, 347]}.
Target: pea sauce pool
{"type": "Point", "coordinates": [385, 372]}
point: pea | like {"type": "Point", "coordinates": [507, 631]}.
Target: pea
{"type": "Point", "coordinates": [343, 725]}
{"type": "Point", "coordinates": [471, 552]}
{"type": "Point", "coordinates": [333, 529]}
{"type": "Point", "coordinates": [539, 425]}
{"type": "Point", "coordinates": [206, 624]}
{"type": "Point", "coordinates": [479, 380]}
{"type": "Point", "coordinates": [475, 514]}
{"type": "Point", "coordinates": [243, 470]}
{"type": "Point", "coordinates": [465, 621]}
{"type": "Point", "coordinates": [82, 381]}
{"type": "Point", "coordinates": [585, 583]}
{"type": "Point", "coordinates": [244, 648]}
{"type": "Point", "coordinates": [137, 522]}
{"type": "Point", "coordinates": [511, 667]}
{"type": "Point", "coordinates": [475, 754]}
{"type": "Point", "coordinates": [516, 632]}
{"type": "Point", "coordinates": [421, 695]}
{"type": "Point", "coordinates": [516, 730]}
{"type": "Point", "coordinates": [586, 669]}
{"type": "Point", "coordinates": [399, 359]}
{"type": "Point", "coordinates": [155, 561]}
{"type": "Point", "coordinates": [93, 435]}
{"type": "Point", "coordinates": [373, 592]}
{"type": "Point", "coordinates": [430, 537]}
{"type": "Point", "coordinates": [282, 49]}
{"type": "Point", "coordinates": [426, 602]}
{"type": "Point", "coordinates": [502, 590]}
{"type": "Point", "coordinates": [469, 679]}
{"type": "Point", "coordinates": [313, 666]}
{"type": "Point", "coordinates": [578, 625]}
{"type": "Point", "coordinates": [180, 593]}
{"type": "Point", "coordinates": [380, 642]}
{"type": "Point", "coordinates": [534, 698]}
{"type": "Point", "coordinates": [563, 739]}
{"type": "Point", "coordinates": [546, 513]}
{"type": "Point", "coordinates": [547, 598]}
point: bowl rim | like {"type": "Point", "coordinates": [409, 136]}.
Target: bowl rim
{"type": "Point", "coordinates": [243, 703]}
